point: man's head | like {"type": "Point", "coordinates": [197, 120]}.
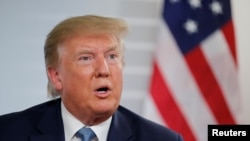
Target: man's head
{"type": "Point", "coordinates": [84, 58]}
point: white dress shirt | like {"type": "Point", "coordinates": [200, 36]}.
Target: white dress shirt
{"type": "Point", "coordinates": [71, 125]}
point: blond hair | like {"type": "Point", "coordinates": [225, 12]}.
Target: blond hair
{"type": "Point", "coordinates": [89, 25]}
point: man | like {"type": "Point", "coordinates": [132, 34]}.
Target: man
{"type": "Point", "coordinates": [84, 59]}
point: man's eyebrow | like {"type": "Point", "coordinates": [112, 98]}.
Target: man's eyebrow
{"type": "Point", "coordinates": [85, 51]}
{"type": "Point", "coordinates": [112, 48]}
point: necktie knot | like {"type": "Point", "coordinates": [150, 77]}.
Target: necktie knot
{"type": "Point", "coordinates": [86, 134]}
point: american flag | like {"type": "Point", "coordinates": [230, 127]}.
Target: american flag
{"type": "Point", "coordinates": [195, 72]}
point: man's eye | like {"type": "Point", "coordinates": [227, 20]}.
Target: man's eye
{"type": "Point", "coordinates": [112, 56]}
{"type": "Point", "coordinates": [85, 58]}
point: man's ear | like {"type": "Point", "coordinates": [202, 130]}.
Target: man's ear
{"type": "Point", "coordinates": [54, 78]}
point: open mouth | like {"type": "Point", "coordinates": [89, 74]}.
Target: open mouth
{"type": "Point", "coordinates": [103, 89]}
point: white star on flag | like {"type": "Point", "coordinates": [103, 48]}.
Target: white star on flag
{"type": "Point", "coordinates": [195, 3]}
{"type": "Point", "coordinates": [174, 1]}
{"type": "Point", "coordinates": [191, 26]}
{"type": "Point", "coordinates": [216, 8]}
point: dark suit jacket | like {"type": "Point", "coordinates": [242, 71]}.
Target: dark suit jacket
{"type": "Point", "coordinates": [44, 123]}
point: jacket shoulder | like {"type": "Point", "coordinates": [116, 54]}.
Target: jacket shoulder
{"type": "Point", "coordinates": [145, 129]}
{"type": "Point", "coordinates": [29, 115]}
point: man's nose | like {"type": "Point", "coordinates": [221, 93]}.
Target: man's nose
{"type": "Point", "coordinates": [102, 68]}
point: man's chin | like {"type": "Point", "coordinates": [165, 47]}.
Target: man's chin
{"type": "Point", "coordinates": [105, 110]}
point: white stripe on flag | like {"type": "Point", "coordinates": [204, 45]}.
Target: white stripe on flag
{"type": "Point", "coordinates": [216, 51]}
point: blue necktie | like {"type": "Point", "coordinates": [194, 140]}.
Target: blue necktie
{"type": "Point", "coordinates": [86, 134]}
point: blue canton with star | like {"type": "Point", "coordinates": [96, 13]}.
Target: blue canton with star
{"type": "Point", "coordinates": [191, 21]}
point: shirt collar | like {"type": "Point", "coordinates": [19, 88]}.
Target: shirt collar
{"type": "Point", "coordinates": [72, 125]}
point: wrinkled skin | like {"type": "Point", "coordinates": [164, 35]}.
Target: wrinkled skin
{"type": "Point", "coordinates": [89, 76]}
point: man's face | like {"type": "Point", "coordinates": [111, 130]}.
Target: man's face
{"type": "Point", "coordinates": [89, 75]}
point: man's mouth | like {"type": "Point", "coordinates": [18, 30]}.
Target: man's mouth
{"type": "Point", "coordinates": [102, 89]}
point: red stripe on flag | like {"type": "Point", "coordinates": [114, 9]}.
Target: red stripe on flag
{"type": "Point", "coordinates": [208, 86]}
{"type": "Point", "coordinates": [228, 31]}
{"type": "Point", "coordinates": [167, 106]}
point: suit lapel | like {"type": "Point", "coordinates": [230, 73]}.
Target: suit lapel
{"type": "Point", "coordinates": [120, 128]}
{"type": "Point", "coordinates": [50, 127]}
